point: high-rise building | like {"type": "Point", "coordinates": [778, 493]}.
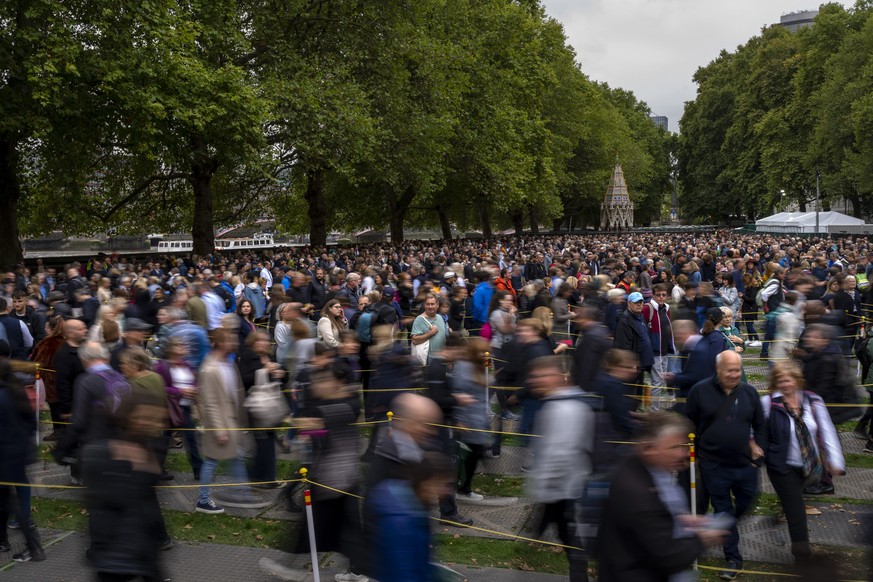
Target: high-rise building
{"type": "Point", "coordinates": [660, 121]}
{"type": "Point", "coordinates": [794, 21]}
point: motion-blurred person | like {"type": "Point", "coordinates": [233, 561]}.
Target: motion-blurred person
{"type": "Point", "coordinates": [731, 437]}
{"type": "Point", "coordinates": [220, 406]}
{"type": "Point", "coordinates": [647, 534]}
{"type": "Point", "coordinates": [615, 385]}
{"type": "Point", "coordinates": [826, 373]}
{"type": "Point", "coordinates": [181, 384]}
{"type": "Point", "coordinates": [136, 331]}
{"type": "Point", "coordinates": [406, 444]}
{"type": "Point", "coordinates": [17, 425]}
{"type": "Point", "coordinates": [700, 359]}
{"type": "Point", "coordinates": [788, 327]}
{"type": "Point", "coordinates": [437, 378]}
{"type": "Point", "coordinates": [120, 473]}
{"type": "Point", "coordinates": [97, 393]}
{"type": "Point", "coordinates": [336, 443]}
{"type": "Point", "coordinates": [591, 348]}
{"type": "Point", "coordinates": [256, 357]}
{"type": "Point", "coordinates": [801, 442]}
{"type": "Point", "coordinates": [561, 462]}
{"type": "Point", "coordinates": [468, 379]}
{"type": "Point", "coordinates": [399, 510]}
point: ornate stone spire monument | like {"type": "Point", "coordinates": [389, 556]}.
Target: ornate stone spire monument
{"type": "Point", "coordinates": [617, 210]}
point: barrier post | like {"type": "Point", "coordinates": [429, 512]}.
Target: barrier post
{"type": "Point", "coordinates": [487, 379]}
{"type": "Point", "coordinates": [390, 416]}
{"type": "Point", "coordinates": [307, 498]}
{"type": "Point", "coordinates": [693, 480]}
{"type": "Point", "coordinates": [36, 384]}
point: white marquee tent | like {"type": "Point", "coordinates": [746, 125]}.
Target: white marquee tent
{"type": "Point", "coordinates": [804, 222]}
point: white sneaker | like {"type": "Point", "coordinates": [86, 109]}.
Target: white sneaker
{"type": "Point", "coordinates": [754, 344]}
{"type": "Point", "coordinates": [471, 496]}
{"type": "Point", "coordinates": [350, 577]}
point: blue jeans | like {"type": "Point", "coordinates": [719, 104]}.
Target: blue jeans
{"type": "Point", "coordinates": [529, 409]}
{"type": "Point", "coordinates": [720, 482]}
{"type": "Point", "coordinates": [237, 471]}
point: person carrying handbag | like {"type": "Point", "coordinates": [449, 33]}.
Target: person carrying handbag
{"type": "Point", "coordinates": [428, 332]}
{"type": "Point", "coordinates": [802, 443]}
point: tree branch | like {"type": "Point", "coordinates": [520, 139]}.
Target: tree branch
{"type": "Point", "coordinates": [139, 190]}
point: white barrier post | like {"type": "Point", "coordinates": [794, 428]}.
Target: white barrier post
{"type": "Point", "coordinates": [693, 480]}
{"type": "Point", "coordinates": [307, 497]}
{"type": "Point", "coordinates": [487, 380]}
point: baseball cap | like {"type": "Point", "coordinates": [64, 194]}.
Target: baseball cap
{"type": "Point", "coordinates": [635, 297]}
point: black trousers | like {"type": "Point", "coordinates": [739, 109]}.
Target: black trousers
{"type": "Point", "coordinates": [789, 488]}
{"type": "Point", "coordinates": [562, 514]}
{"type": "Point", "coordinates": [470, 464]}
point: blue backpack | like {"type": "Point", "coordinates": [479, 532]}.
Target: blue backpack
{"type": "Point", "coordinates": [362, 329]}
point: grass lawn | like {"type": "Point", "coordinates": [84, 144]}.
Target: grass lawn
{"type": "Point", "coordinates": [498, 485]}
{"type": "Point", "coordinates": [194, 527]}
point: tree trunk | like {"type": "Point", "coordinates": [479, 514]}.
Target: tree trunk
{"type": "Point", "coordinates": [518, 223]}
{"type": "Point", "coordinates": [556, 224]}
{"type": "Point", "coordinates": [534, 221]}
{"type": "Point", "coordinates": [445, 225]}
{"type": "Point", "coordinates": [317, 208]}
{"type": "Point", "coordinates": [10, 192]}
{"type": "Point", "coordinates": [855, 199]}
{"type": "Point", "coordinates": [485, 219]}
{"type": "Point", "coordinates": [203, 167]}
{"type": "Point", "coordinates": [397, 209]}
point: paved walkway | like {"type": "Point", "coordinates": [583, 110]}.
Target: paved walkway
{"type": "Point", "coordinates": [189, 562]}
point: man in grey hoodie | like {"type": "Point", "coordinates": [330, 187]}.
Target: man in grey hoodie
{"type": "Point", "coordinates": [562, 453]}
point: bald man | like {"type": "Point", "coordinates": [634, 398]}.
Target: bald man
{"type": "Point", "coordinates": [731, 438]}
{"type": "Point", "coordinates": [67, 368]}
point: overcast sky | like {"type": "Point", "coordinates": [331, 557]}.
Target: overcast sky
{"type": "Point", "coordinates": [653, 47]}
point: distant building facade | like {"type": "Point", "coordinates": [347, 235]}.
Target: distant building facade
{"type": "Point", "coordinates": [617, 210]}
{"type": "Point", "coordinates": [794, 21]}
{"type": "Point", "coordinates": [660, 121]}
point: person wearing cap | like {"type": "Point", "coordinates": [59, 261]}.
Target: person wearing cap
{"type": "Point", "coordinates": [632, 334]}
{"type": "Point", "coordinates": [136, 331]}
{"type": "Point", "coordinates": [449, 279]}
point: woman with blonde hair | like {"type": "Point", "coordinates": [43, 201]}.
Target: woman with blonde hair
{"type": "Point", "coordinates": [544, 315]}
{"type": "Point", "coordinates": [802, 443]}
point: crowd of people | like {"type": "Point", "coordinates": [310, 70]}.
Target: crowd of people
{"type": "Point", "coordinates": [589, 343]}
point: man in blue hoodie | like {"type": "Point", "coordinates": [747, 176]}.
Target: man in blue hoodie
{"type": "Point", "coordinates": [482, 300]}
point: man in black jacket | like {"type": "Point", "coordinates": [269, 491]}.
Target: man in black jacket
{"type": "Point", "coordinates": [647, 535]}
{"type": "Point", "coordinates": [591, 348]}
{"type": "Point", "coordinates": [28, 315]}
{"type": "Point", "coordinates": [631, 334]}
{"type": "Point", "coordinates": [725, 412]}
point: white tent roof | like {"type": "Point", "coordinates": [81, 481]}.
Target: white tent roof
{"type": "Point", "coordinates": [805, 221]}
{"type": "Point", "coordinates": [808, 219]}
